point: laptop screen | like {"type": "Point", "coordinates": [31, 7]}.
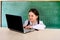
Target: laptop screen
{"type": "Point", "coordinates": [14, 22]}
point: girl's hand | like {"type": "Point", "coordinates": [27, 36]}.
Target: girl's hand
{"type": "Point", "coordinates": [28, 27]}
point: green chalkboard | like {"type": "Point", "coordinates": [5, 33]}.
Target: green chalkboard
{"type": "Point", "coordinates": [49, 11]}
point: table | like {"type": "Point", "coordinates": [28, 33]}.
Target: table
{"type": "Point", "coordinates": [47, 34]}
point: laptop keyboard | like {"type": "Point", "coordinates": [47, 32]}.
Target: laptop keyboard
{"type": "Point", "coordinates": [28, 30]}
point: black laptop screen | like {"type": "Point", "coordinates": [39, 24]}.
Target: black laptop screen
{"type": "Point", "coordinates": [14, 22]}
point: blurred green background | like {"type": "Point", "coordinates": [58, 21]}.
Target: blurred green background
{"type": "Point", "coordinates": [49, 11]}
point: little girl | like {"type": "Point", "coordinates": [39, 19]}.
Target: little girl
{"type": "Point", "coordinates": [33, 20]}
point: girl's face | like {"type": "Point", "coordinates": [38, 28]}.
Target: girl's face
{"type": "Point", "coordinates": [32, 17]}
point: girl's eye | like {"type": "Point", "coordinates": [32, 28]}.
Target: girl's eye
{"type": "Point", "coordinates": [31, 15]}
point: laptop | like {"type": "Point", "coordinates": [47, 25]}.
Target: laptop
{"type": "Point", "coordinates": [15, 23]}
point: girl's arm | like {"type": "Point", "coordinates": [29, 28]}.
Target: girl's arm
{"type": "Point", "coordinates": [39, 26]}
{"type": "Point", "coordinates": [25, 23]}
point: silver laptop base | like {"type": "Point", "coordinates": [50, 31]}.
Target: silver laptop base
{"type": "Point", "coordinates": [28, 30]}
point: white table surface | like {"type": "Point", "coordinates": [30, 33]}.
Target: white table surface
{"type": "Point", "coordinates": [47, 34]}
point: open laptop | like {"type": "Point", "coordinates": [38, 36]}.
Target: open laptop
{"type": "Point", "coordinates": [15, 23]}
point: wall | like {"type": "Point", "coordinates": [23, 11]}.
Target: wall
{"type": "Point", "coordinates": [0, 13]}
{"type": "Point", "coordinates": [49, 11]}
{"type": "Point", "coordinates": [30, 0]}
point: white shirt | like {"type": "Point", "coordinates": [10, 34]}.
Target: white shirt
{"type": "Point", "coordinates": [36, 26]}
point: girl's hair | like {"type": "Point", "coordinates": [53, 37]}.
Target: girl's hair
{"type": "Point", "coordinates": [36, 13]}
